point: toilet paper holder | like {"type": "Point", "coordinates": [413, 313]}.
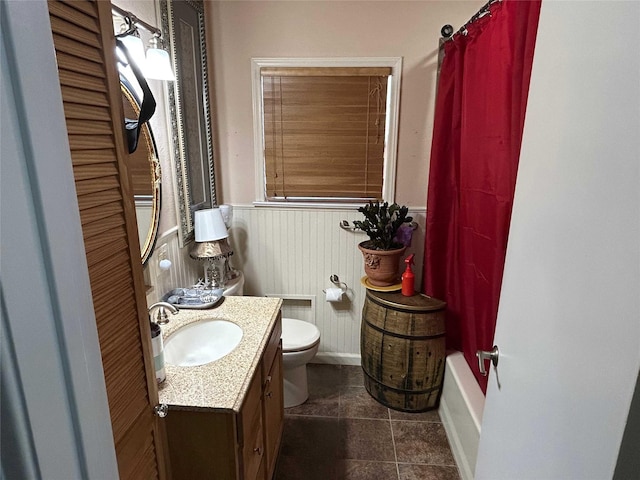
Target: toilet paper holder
{"type": "Point", "coordinates": [336, 281]}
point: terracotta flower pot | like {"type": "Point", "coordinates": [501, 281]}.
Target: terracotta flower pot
{"type": "Point", "coordinates": [381, 266]}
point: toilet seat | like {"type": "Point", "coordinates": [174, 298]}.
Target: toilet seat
{"type": "Point", "coordinates": [298, 335]}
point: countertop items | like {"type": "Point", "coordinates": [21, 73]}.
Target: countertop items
{"type": "Point", "coordinates": [221, 384]}
{"type": "Point", "coordinates": [193, 298]}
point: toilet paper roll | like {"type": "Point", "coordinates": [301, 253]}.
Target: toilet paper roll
{"type": "Point", "coordinates": [333, 294]}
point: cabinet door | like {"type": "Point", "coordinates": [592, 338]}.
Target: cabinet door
{"type": "Point", "coordinates": [251, 434]}
{"type": "Point", "coordinates": [273, 412]}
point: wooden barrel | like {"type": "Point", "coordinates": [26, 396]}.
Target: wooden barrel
{"type": "Point", "coordinates": [402, 346]}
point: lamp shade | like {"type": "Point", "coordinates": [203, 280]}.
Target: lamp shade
{"type": "Point", "coordinates": [213, 250]}
{"type": "Point", "coordinates": [209, 225]}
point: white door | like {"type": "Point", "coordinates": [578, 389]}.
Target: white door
{"type": "Point", "coordinates": [569, 319]}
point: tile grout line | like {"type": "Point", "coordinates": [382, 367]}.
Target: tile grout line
{"type": "Point", "coordinates": [393, 440]}
{"type": "Point", "coordinates": [340, 390]}
{"type": "Point", "coordinates": [341, 383]}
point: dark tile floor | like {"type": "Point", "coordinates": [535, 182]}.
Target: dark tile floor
{"type": "Point", "coordinates": [341, 433]}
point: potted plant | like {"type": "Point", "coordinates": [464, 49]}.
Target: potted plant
{"type": "Point", "coordinates": [385, 225]}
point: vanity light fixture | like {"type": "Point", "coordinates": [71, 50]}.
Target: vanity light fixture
{"type": "Point", "coordinates": [156, 64]}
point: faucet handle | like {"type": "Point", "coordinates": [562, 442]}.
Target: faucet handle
{"type": "Point", "coordinates": [161, 317]}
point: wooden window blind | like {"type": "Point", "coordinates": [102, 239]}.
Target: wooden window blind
{"type": "Point", "coordinates": [324, 132]}
{"type": "Point", "coordinates": [85, 46]}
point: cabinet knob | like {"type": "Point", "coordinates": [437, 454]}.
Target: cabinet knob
{"type": "Point", "coordinates": [161, 410]}
{"type": "Point", "coordinates": [258, 450]}
{"type": "Point", "coordinates": [268, 394]}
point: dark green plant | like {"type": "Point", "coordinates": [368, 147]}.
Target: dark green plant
{"type": "Point", "coordinates": [381, 223]}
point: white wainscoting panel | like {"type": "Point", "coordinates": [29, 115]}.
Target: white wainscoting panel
{"type": "Point", "coordinates": [292, 252]}
{"type": "Point", "coordinates": [184, 270]}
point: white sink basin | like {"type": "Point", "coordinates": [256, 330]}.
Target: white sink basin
{"type": "Point", "coordinates": [201, 342]}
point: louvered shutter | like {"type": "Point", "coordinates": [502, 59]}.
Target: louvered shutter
{"type": "Point", "coordinates": [85, 50]}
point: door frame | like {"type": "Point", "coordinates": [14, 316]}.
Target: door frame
{"type": "Point", "coordinates": [52, 379]}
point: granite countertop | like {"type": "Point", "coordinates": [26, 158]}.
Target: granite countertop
{"type": "Point", "coordinates": [221, 384]}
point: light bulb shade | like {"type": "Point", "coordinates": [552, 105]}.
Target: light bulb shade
{"type": "Point", "coordinates": [209, 225]}
{"type": "Point", "coordinates": [158, 65]}
{"type": "Point", "coordinates": [136, 49]}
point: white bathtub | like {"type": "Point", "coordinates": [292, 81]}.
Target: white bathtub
{"type": "Point", "coordinates": [461, 407]}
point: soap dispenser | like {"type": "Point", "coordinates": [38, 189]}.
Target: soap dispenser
{"type": "Point", "coordinates": [408, 278]}
{"type": "Point", "coordinates": [158, 352]}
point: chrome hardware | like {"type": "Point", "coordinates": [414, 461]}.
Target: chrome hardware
{"type": "Point", "coordinates": [161, 410]}
{"type": "Point", "coordinates": [162, 317]}
{"type": "Point", "coordinates": [487, 355]}
{"type": "Point", "coordinates": [336, 281]}
{"type": "Point", "coordinates": [345, 225]}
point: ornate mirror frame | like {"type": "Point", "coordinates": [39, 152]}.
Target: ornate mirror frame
{"type": "Point", "coordinates": [146, 185]}
{"type": "Point", "coordinates": [183, 27]}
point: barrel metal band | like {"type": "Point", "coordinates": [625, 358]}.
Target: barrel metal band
{"type": "Point", "coordinates": [403, 308]}
{"type": "Point", "coordinates": [411, 392]}
{"type": "Point", "coordinates": [406, 337]}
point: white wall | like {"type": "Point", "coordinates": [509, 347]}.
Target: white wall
{"type": "Point", "coordinates": [184, 271]}
{"type": "Point", "coordinates": [275, 246]}
{"type": "Point", "coordinates": [238, 31]}
{"type": "Point", "coordinates": [159, 123]}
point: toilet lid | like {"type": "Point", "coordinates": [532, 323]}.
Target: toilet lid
{"type": "Point", "coordinates": [298, 335]}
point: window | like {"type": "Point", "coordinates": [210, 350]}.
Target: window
{"type": "Point", "coordinates": [325, 129]}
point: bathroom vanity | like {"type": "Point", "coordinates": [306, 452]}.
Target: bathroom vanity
{"type": "Point", "coordinates": [225, 417]}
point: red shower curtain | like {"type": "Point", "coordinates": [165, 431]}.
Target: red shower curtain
{"type": "Point", "coordinates": [479, 117]}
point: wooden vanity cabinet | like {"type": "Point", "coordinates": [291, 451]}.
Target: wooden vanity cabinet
{"type": "Point", "coordinates": [227, 445]}
{"type": "Point", "coordinates": [273, 412]}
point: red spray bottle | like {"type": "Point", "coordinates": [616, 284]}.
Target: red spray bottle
{"type": "Point", "coordinates": [408, 278]}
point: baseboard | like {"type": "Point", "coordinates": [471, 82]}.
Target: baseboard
{"type": "Point", "coordinates": [455, 442]}
{"type": "Point", "coordinates": [461, 407]}
{"type": "Point", "coordinates": [337, 358]}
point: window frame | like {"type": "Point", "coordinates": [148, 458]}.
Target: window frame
{"type": "Point", "coordinates": [393, 110]}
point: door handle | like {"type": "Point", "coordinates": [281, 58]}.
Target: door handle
{"type": "Point", "coordinates": [483, 355]}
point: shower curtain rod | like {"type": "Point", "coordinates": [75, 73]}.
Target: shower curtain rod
{"type": "Point", "coordinates": [447, 30]}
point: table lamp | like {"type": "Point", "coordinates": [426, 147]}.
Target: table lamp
{"type": "Point", "coordinates": [211, 246]}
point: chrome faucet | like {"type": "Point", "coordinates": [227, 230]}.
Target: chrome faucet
{"type": "Point", "coordinates": [161, 317]}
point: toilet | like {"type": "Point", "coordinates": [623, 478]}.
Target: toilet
{"type": "Point", "coordinates": [235, 286]}
{"type": "Point", "coordinates": [300, 341]}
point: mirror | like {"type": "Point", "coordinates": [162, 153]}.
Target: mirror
{"type": "Point", "coordinates": [183, 26]}
{"type": "Point", "coordinates": [144, 168]}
